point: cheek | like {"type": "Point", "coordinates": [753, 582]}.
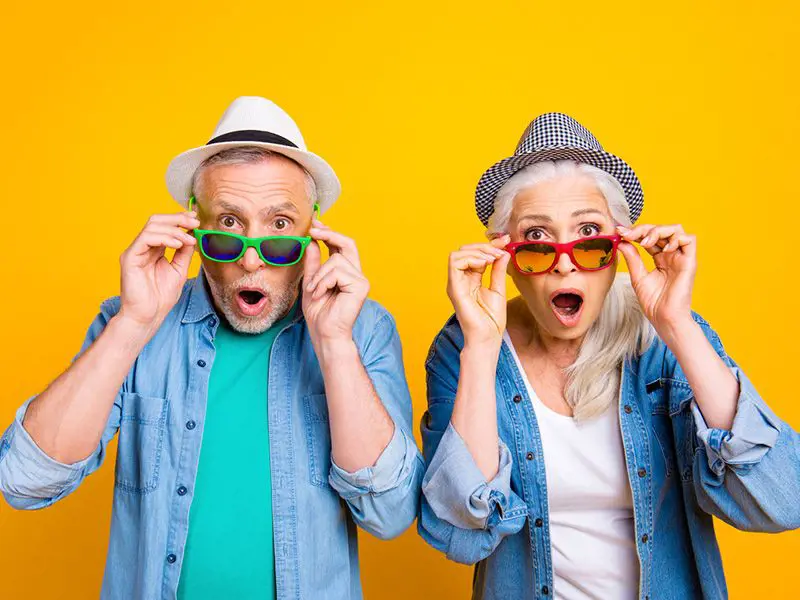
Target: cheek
{"type": "Point", "coordinates": [599, 287]}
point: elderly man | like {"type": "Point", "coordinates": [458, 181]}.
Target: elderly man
{"type": "Point", "coordinates": [262, 407]}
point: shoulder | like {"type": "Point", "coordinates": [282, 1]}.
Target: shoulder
{"type": "Point", "coordinates": [110, 307]}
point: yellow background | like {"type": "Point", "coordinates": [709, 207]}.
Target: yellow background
{"type": "Point", "coordinates": [409, 101]}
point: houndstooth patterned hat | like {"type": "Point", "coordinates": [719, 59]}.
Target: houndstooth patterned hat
{"type": "Point", "coordinates": [556, 136]}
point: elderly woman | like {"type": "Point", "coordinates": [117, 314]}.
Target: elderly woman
{"type": "Point", "coordinates": [580, 437]}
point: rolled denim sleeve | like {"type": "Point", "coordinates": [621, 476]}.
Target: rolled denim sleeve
{"type": "Point", "coordinates": [754, 432]}
{"type": "Point", "coordinates": [461, 514]}
{"type": "Point", "coordinates": [457, 491]}
{"type": "Point", "coordinates": [391, 468]}
{"type": "Point", "coordinates": [748, 476]}
{"type": "Point", "coordinates": [383, 498]}
{"type": "Point", "coordinates": [29, 478]}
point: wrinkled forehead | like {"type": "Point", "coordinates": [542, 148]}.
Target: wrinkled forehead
{"type": "Point", "coordinates": [256, 186]}
{"type": "Point", "coordinates": [560, 200]}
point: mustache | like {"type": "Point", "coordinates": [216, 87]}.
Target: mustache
{"type": "Point", "coordinates": [258, 281]}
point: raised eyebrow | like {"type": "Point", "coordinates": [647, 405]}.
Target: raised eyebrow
{"type": "Point", "coordinates": [278, 208]}
{"type": "Point", "coordinates": [541, 218]}
{"type": "Point", "coordinates": [224, 206]}
{"type": "Point", "coordinates": [588, 211]}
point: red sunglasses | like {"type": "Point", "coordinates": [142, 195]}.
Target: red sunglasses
{"type": "Point", "coordinates": [588, 254]}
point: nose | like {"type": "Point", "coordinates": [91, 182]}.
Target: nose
{"type": "Point", "coordinates": [564, 266]}
{"type": "Point", "coordinates": [251, 261]}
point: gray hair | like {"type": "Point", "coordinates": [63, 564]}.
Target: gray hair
{"type": "Point", "coordinates": [621, 330]}
{"type": "Point", "coordinates": [245, 155]}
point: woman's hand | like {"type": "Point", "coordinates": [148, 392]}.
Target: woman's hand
{"type": "Point", "coordinates": [481, 311]}
{"type": "Point", "coordinates": [664, 293]}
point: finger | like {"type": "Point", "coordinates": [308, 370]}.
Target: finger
{"type": "Point", "coordinates": [313, 261]}
{"type": "Point", "coordinates": [187, 220]}
{"type": "Point", "coordinates": [463, 261]}
{"type": "Point", "coordinates": [687, 244]}
{"type": "Point", "coordinates": [636, 266]}
{"type": "Point", "coordinates": [672, 243]}
{"type": "Point", "coordinates": [635, 234]}
{"type": "Point", "coordinates": [171, 230]}
{"type": "Point", "coordinates": [182, 259]}
{"type": "Point", "coordinates": [501, 242]}
{"type": "Point", "coordinates": [662, 232]}
{"type": "Point", "coordinates": [470, 263]}
{"type": "Point", "coordinates": [477, 254]}
{"type": "Point", "coordinates": [497, 283]}
{"type": "Point", "coordinates": [486, 248]}
{"type": "Point", "coordinates": [148, 241]}
{"type": "Point", "coordinates": [334, 262]}
{"type": "Point", "coordinates": [337, 243]}
{"type": "Point", "coordinates": [342, 279]}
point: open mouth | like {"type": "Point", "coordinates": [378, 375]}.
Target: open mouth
{"type": "Point", "coordinates": [250, 301]}
{"type": "Point", "coordinates": [567, 305]}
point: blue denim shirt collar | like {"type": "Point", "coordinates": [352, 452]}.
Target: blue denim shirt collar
{"type": "Point", "coordinates": [200, 305]}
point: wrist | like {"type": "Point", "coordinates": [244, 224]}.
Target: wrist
{"type": "Point", "coordinates": [674, 332]}
{"type": "Point", "coordinates": [484, 352]}
{"type": "Point", "coordinates": [132, 332]}
{"type": "Point", "coordinates": [334, 348]}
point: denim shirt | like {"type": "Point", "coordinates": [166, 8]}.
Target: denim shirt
{"type": "Point", "coordinates": [680, 471]}
{"type": "Point", "coordinates": [159, 414]}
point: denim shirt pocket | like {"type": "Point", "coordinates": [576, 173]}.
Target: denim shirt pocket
{"type": "Point", "coordinates": [673, 426]}
{"type": "Point", "coordinates": [141, 437]}
{"type": "Point", "coordinates": [318, 438]}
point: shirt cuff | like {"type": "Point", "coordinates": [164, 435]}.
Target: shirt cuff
{"type": "Point", "coordinates": [754, 431]}
{"type": "Point", "coordinates": [30, 472]}
{"type": "Point", "coordinates": [391, 468]}
{"type": "Point", "coordinates": [457, 491]}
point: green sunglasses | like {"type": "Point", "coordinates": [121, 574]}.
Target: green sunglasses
{"type": "Point", "coordinates": [275, 250]}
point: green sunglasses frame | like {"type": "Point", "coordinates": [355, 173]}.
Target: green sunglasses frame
{"type": "Point", "coordinates": [248, 242]}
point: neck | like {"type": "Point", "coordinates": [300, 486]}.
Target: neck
{"type": "Point", "coordinates": [559, 352]}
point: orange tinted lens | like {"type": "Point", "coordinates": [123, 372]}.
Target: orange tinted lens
{"type": "Point", "coordinates": [593, 254]}
{"type": "Point", "coordinates": [535, 258]}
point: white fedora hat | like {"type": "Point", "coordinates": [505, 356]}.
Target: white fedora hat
{"type": "Point", "coordinates": [254, 121]}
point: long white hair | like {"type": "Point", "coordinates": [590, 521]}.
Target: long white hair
{"type": "Point", "coordinates": [621, 330]}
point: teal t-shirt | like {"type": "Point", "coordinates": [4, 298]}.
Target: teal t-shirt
{"type": "Point", "coordinates": [229, 550]}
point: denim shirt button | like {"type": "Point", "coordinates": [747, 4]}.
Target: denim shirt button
{"type": "Point", "coordinates": [182, 490]}
{"type": "Point", "coordinates": [201, 363]}
{"type": "Point", "coordinates": [628, 409]}
{"type": "Point", "coordinates": [545, 590]}
{"type": "Point", "coordinates": [538, 522]}
{"type": "Point", "coordinates": [642, 472]}
{"type": "Point", "coordinates": [517, 398]}
{"type": "Point", "coordinates": [190, 425]}
{"type": "Point", "coordinates": [171, 558]}
{"type": "Point", "coordinates": [645, 537]}
{"type": "Point", "coordinates": [529, 456]}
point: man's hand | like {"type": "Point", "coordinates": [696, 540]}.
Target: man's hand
{"type": "Point", "coordinates": [333, 292]}
{"type": "Point", "coordinates": [151, 284]}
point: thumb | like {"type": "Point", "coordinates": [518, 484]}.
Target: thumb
{"type": "Point", "coordinates": [313, 260]}
{"type": "Point", "coordinates": [636, 266]}
{"type": "Point", "coordinates": [182, 259]}
{"type": "Point", "coordinates": [497, 283]}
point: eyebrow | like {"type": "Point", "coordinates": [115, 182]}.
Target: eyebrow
{"type": "Point", "coordinates": [264, 213]}
{"type": "Point", "coordinates": [577, 213]}
{"type": "Point", "coordinates": [267, 212]}
{"type": "Point", "coordinates": [588, 211]}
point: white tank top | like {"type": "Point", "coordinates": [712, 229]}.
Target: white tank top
{"type": "Point", "coordinates": [591, 509]}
